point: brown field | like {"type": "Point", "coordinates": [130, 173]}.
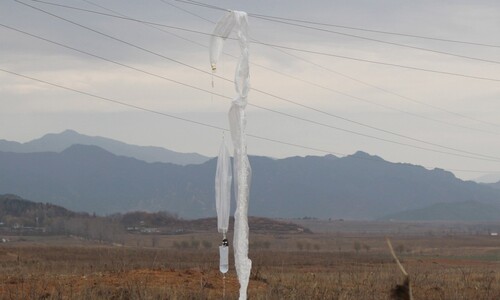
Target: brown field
{"type": "Point", "coordinates": [340, 260]}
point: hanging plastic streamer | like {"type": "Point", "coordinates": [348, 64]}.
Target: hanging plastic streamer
{"type": "Point", "coordinates": [223, 178]}
{"type": "Point", "coordinates": [238, 22]}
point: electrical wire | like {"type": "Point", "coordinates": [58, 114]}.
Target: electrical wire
{"type": "Point", "coordinates": [283, 21]}
{"type": "Point", "coordinates": [377, 62]}
{"type": "Point", "coordinates": [209, 125]}
{"type": "Point", "coordinates": [307, 61]}
{"type": "Point", "coordinates": [272, 110]}
{"type": "Point", "coordinates": [382, 32]}
{"type": "Point", "coordinates": [186, 11]}
{"type": "Point", "coordinates": [141, 108]}
{"type": "Point", "coordinates": [112, 100]}
{"type": "Point", "coordinates": [406, 98]}
{"type": "Point", "coordinates": [150, 25]}
{"type": "Point", "coordinates": [121, 103]}
{"type": "Point", "coordinates": [287, 100]}
{"type": "Point", "coordinates": [349, 27]}
{"type": "Point", "coordinates": [288, 47]}
{"type": "Point", "coordinates": [115, 62]}
{"type": "Point", "coordinates": [353, 79]}
{"type": "Point", "coordinates": [254, 105]}
{"type": "Point", "coordinates": [381, 41]}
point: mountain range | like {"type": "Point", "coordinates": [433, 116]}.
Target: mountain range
{"type": "Point", "coordinates": [359, 186]}
{"type": "Point", "coordinates": [57, 142]}
{"type": "Point", "coordinates": [488, 178]}
{"type": "Point", "coordinates": [495, 185]}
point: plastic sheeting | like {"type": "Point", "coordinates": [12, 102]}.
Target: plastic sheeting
{"type": "Point", "coordinates": [238, 22]}
{"type": "Point", "coordinates": [223, 178]}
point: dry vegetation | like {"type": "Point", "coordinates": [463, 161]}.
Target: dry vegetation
{"type": "Point", "coordinates": [329, 265]}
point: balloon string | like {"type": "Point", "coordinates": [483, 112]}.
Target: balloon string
{"type": "Point", "coordinates": [223, 286]}
{"type": "Point", "coordinates": [213, 86]}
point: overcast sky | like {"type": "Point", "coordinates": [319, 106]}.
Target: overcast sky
{"type": "Point", "coordinates": [456, 117]}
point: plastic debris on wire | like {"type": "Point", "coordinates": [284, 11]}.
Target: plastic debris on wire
{"type": "Point", "coordinates": [223, 179]}
{"type": "Point", "coordinates": [237, 22]}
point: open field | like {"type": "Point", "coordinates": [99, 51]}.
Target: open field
{"type": "Point", "coordinates": [347, 262]}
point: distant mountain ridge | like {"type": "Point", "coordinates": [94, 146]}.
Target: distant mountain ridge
{"type": "Point", "coordinates": [359, 186]}
{"type": "Point", "coordinates": [53, 142]}
{"type": "Point", "coordinates": [488, 178]}
{"type": "Point", "coordinates": [495, 185]}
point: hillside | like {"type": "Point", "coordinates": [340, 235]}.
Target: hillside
{"type": "Point", "coordinates": [463, 211]}
{"type": "Point", "coordinates": [58, 142]}
{"type": "Point", "coordinates": [359, 186]}
{"type": "Point", "coordinates": [14, 209]}
{"type": "Point", "coordinates": [20, 214]}
{"type": "Point", "coordinates": [22, 217]}
{"type": "Point", "coordinates": [171, 223]}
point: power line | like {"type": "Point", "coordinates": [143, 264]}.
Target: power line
{"type": "Point", "coordinates": [356, 80]}
{"type": "Point", "coordinates": [363, 82]}
{"type": "Point", "coordinates": [357, 98]}
{"type": "Point", "coordinates": [117, 63]}
{"type": "Point", "coordinates": [150, 25]}
{"type": "Point", "coordinates": [114, 101]}
{"type": "Point", "coordinates": [388, 91]}
{"type": "Point", "coordinates": [286, 47]}
{"type": "Point", "coordinates": [187, 11]}
{"type": "Point", "coordinates": [378, 31]}
{"type": "Point", "coordinates": [381, 41]}
{"type": "Point", "coordinates": [253, 105]}
{"type": "Point", "coordinates": [294, 144]}
{"type": "Point", "coordinates": [378, 62]}
{"type": "Point", "coordinates": [260, 107]}
{"type": "Point", "coordinates": [353, 79]}
{"type": "Point", "coordinates": [275, 96]}
{"type": "Point", "coordinates": [314, 64]}
{"type": "Point", "coordinates": [203, 5]}
{"type": "Point", "coordinates": [121, 103]}
{"type": "Point", "coordinates": [360, 99]}
{"type": "Point", "coordinates": [197, 3]}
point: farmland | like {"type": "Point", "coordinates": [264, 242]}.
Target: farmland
{"type": "Point", "coordinates": [338, 260]}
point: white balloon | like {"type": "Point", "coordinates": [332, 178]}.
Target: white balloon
{"type": "Point", "coordinates": [237, 21]}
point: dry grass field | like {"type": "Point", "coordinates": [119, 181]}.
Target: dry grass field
{"type": "Point", "coordinates": [348, 263]}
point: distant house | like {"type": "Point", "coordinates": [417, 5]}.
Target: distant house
{"type": "Point", "coordinates": [150, 230]}
{"type": "Point", "coordinates": [494, 233]}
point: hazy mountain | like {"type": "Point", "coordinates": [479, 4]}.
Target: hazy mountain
{"type": "Point", "coordinates": [360, 186]}
{"type": "Point", "coordinates": [58, 142]}
{"type": "Point", "coordinates": [462, 211]}
{"type": "Point", "coordinates": [495, 185]}
{"type": "Point", "coordinates": [489, 178]}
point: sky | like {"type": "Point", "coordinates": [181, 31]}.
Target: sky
{"type": "Point", "coordinates": [333, 103]}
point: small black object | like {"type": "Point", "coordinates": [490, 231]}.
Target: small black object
{"type": "Point", "coordinates": [225, 242]}
{"type": "Point", "coordinates": [402, 291]}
